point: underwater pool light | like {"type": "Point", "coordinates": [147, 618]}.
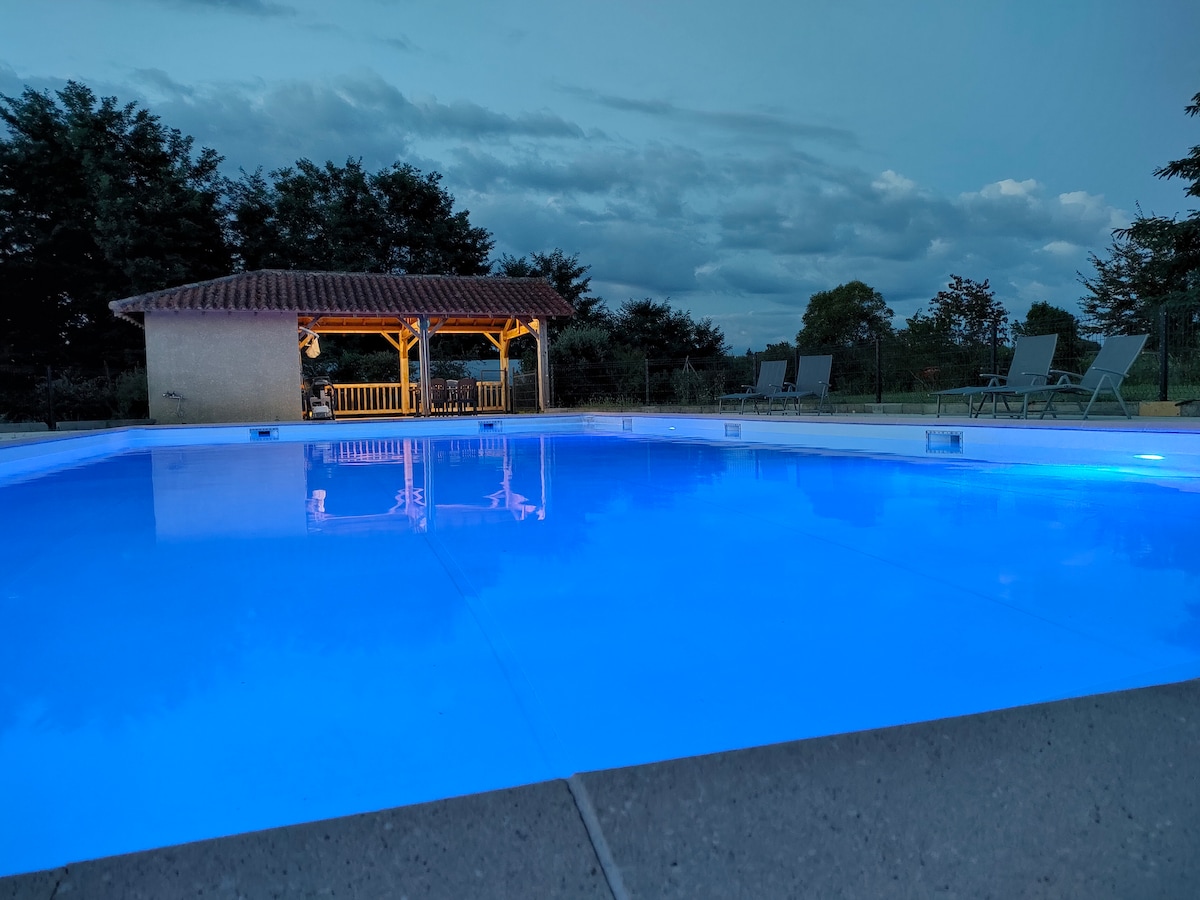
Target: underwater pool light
{"type": "Point", "coordinates": [1147, 456]}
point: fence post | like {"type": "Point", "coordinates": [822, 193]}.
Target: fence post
{"type": "Point", "coordinates": [646, 360]}
{"type": "Point", "coordinates": [878, 372]}
{"type": "Point", "coordinates": [992, 361]}
{"type": "Point", "coordinates": [1162, 352]}
{"type": "Point", "coordinates": [50, 421]}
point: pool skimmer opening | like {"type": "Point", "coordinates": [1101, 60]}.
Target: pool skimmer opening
{"type": "Point", "coordinates": [943, 442]}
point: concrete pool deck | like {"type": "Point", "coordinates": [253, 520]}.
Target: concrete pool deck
{"type": "Point", "coordinates": [1095, 797]}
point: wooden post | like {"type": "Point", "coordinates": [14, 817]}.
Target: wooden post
{"type": "Point", "coordinates": [542, 336]}
{"type": "Point", "coordinates": [405, 381]}
{"type": "Point", "coordinates": [505, 400]}
{"type": "Point", "coordinates": [423, 350]}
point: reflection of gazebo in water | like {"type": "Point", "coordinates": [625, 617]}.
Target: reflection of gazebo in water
{"type": "Point", "coordinates": [485, 488]}
{"type": "Point", "coordinates": [227, 350]}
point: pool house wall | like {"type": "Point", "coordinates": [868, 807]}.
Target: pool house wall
{"type": "Point", "coordinates": [228, 366]}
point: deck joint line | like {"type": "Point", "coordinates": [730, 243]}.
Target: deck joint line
{"type": "Point", "coordinates": [587, 812]}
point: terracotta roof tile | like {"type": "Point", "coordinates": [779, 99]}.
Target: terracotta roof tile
{"type": "Point", "coordinates": [357, 293]}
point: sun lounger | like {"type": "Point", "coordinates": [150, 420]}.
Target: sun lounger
{"type": "Point", "coordinates": [812, 382]}
{"type": "Point", "coordinates": [770, 380]}
{"type": "Point", "coordinates": [1030, 367]}
{"type": "Point", "coordinates": [1106, 373]}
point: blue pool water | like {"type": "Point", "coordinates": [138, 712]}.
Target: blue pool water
{"type": "Point", "coordinates": [199, 641]}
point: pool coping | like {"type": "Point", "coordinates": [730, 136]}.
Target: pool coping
{"type": "Point", "coordinates": [1090, 797]}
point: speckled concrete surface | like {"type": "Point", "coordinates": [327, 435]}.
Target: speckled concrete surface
{"type": "Point", "coordinates": [1094, 798]}
{"type": "Point", "coordinates": [1091, 798]}
{"type": "Point", "coordinates": [528, 842]}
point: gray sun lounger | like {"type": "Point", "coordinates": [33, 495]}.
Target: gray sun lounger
{"type": "Point", "coordinates": [812, 382]}
{"type": "Point", "coordinates": [770, 380]}
{"type": "Point", "coordinates": [1106, 373]}
{"type": "Point", "coordinates": [1030, 367]}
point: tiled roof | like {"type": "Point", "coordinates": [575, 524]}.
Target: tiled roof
{"type": "Point", "coordinates": [357, 293]}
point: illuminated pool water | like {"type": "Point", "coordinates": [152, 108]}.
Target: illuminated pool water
{"type": "Point", "coordinates": [204, 640]}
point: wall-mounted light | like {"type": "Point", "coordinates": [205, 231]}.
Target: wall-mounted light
{"type": "Point", "coordinates": [313, 349]}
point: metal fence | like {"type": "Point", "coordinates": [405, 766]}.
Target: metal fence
{"type": "Point", "coordinates": [894, 370]}
{"type": "Point", "coordinates": [48, 395]}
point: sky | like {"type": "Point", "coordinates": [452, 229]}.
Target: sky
{"type": "Point", "coordinates": [733, 158]}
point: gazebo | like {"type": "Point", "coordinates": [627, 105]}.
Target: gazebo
{"type": "Point", "coordinates": [228, 350]}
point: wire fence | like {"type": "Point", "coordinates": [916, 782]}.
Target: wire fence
{"type": "Point", "coordinates": [892, 370]}
{"type": "Point", "coordinates": [862, 375]}
{"type": "Point", "coordinates": [896, 369]}
{"type": "Point", "coordinates": [59, 397]}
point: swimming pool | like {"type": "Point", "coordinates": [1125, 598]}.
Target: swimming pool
{"type": "Point", "coordinates": [209, 631]}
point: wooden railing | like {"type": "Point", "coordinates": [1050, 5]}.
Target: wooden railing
{"type": "Point", "coordinates": [385, 399]}
{"type": "Point", "coordinates": [491, 397]}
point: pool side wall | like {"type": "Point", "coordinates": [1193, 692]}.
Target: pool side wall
{"type": "Point", "coordinates": [1119, 446]}
{"type": "Point", "coordinates": [1111, 445]}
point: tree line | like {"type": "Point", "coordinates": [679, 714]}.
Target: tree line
{"type": "Point", "coordinates": [1148, 282]}
{"type": "Point", "coordinates": [100, 200]}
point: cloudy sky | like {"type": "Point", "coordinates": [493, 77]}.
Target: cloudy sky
{"type": "Point", "coordinates": [734, 157]}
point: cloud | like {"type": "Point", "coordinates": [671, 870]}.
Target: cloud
{"type": "Point", "coordinates": [1009, 188]}
{"type": "Point", "coordinates": [737, 121]}
{"type": "Point", "coordinates": [752, 275]}
{"type": "Point", "coordinates": [250, 7]}
{"type": "Point", "coordinates": [1062, 248]}
{"type": "Point", "coordinates": [274, 123]}
{"type": "Point", "coordinates": [891, 184]}
{"type": "Point", "coordinates": [164, 85]}
{"type": "Point", "coordinates": [398, 42]}
{"type": "Point", "coordinates": [744, 230]}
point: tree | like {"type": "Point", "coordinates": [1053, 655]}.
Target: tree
{"type": "Point", "coordinates": [850, 314]}
{"type": "Point", "coordinates": [1043, 318]}
{"type": "Point", "coordinates": [98, 201]}
{"type": "Point", "coordinates": [1124, 288]}
{"type": "Point", "coordinates": [345, 219]}
{"type": "Point", "coordinates": [846, 320]}
{"type": "Point", "coordinates": [1153, 264]}
{"type": "Point", "coordinates": [567, 276]}
{"type": "Point", "coordinates": [657, 331]}
{"type": "Point", "coordinates": [581, 356]}
{"type": "Point", "coordinates": [780, 350]}
{"type": "Point", "coordinates": [1189, 166]}
{"type": "Point", "coordinates": [968, 310]}
{"type": "Point", "coordinates": [923, 345]}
